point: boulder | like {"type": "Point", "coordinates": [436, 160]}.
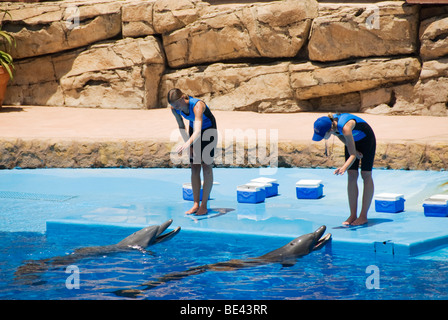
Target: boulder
{"type": "Point", "coordinates": [35, 83]}
{"type": "Point", "coordinates": [344, 31]}
{"type": "Point", "coordinates": [431, 90]}
{"type": "Point", "coordinates": [45, 28]}
{"type": "Point", "coordinates": [427, 96]}
{"type": "Point", "coordinates": [279, 56]}
{"type": "Point", "coordinates": [289, 86]}
{"type": "Point", "coordinates": [370, 99]}
{"type": "Point", "coordinates": [170, 15]}
{"type": "Point", "coordinates": [434, 37]}
{"type": "Point", "coordinates": [121, 74]}
{"type": "Point", "coordinates": [311, 80]}
{"type": "Point", "coordinates": [137, 19]}
{"type": "Point", "coordinates": [239, 86]}
{"type": "Point", "coordinates": [274, 30]}
{"type": "Point", "coordinates": [124, 74]}
{"type": "Point", "coordinates": [346, 102]}
{"type": "Point", "coordinates": [142, 18]}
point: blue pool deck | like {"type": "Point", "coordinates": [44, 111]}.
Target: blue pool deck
{"type": "Point", "coordinates": [44, 199]}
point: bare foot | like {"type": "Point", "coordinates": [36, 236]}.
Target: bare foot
{"type": "Point", "coordinates": [193, 209]}
{"type": "Point", "coordinates": [359, 222]}
{"type": "Point", "coordinates": [201, 211]}
{"type": "Point", "coordinates": [349, 220]}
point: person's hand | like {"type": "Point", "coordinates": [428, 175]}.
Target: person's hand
{"type": "Point", "coordinates": [359, 155]}
{"type": "Point", "coordinates": [340, 171]}
{"type": "Point", "coordinates": [181, 148]}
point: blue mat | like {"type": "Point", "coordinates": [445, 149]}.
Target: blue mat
{"type": "Point", "coordinates": [138, 197]}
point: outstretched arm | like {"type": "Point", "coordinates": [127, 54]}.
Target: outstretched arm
{"type": "Point", "coordinates": [198, 112]}
{"type": "Point", "coordinates": [180, 123]}
{"type": "Point", "coordinates": [349, 141]}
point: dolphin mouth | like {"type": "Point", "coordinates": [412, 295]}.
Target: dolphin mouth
{"type": "Point", "coordinates": [167, 236]}
{"type": "Point", "coordinates": [164, 237]}
{"type": "Point", "coordinates": [321, 240]}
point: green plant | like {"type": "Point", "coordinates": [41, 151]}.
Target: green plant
{"type": "Point", "coordinates": [7, 40]}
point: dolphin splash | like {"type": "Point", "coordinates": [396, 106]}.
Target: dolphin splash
{"type": "Point", "coordinates": [139, 240]}
{"type": "Point", "coordinates": [286, 256]}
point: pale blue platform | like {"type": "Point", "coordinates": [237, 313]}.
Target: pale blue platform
{"type": "Point", "coordinates": [137, 197]}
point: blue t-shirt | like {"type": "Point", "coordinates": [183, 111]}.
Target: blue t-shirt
{"type": "Point", "coordinates": [358, 131]}
{"type": "Point", "coordinates": [206, 121]}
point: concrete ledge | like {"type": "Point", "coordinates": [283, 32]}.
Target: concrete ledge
{"type": "Point", "coordinates": [51, 153]}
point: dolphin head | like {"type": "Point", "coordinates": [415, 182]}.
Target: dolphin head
{"type": "Point", "coordinates": [309, 242]}
{"type": "Point", "coordinates": [298, 247]}
{"type": "Point", "coordinates": [149, 236]}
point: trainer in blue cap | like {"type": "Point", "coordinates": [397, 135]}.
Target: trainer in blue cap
{"type": "Point", "coordinates": [360, 147]}
{"type": "Point", "coordinates": [321, 127]}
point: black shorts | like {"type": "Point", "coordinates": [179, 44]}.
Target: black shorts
{"type": "Point", "coordinates": [203, 149]}
{"type": "Point", "coordinates": [367, 146]}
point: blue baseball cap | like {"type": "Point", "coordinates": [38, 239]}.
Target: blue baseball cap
{"type": "Point", "coordinates": [321, 127]}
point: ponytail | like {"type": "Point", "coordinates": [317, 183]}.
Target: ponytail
{"type": "Point", "coordinates": [175, 94]}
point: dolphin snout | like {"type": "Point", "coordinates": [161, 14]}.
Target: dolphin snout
{"type": "Point", "coordinates": [160, 237]}
{"type": "Point", "coordinates": [319, 240]}
{"type": "Point", "coordinates": [319, 232]}
{"type": "Point", "coordinates": [164, 226]}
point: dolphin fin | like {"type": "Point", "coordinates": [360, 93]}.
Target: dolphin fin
{"type": "Point", "coordinates": [128, 293]}
{"type": "Point", "coordinates": [288, 263]}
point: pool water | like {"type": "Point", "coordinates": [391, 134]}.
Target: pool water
{"type": "Point", "coordinates": [103, 206]}
{"type": "Point", "coordinates": [320, 275]}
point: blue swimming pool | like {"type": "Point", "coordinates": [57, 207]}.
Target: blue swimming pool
{"type": "Point", "coordinates": [320, 275]}
{"type": "Point", "coordinates": [47, 213]}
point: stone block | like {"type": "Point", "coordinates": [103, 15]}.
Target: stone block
{"type": "Point", "coordinates": [344, 31]}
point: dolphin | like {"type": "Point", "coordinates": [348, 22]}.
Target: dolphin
{"type": "Point", "coordinates": [286, 256]}
{"type": "Point", "coordinates": [139, 240]}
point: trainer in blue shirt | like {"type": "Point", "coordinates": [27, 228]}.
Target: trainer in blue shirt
{"type": "Point", "coordinates": [202, 141]}
{"type": "Point", "coordinates": [360, 144]}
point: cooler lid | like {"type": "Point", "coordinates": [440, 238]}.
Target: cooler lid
{"type": "Point", "coordinates": [437, 199]}
{"type": "Point", "coordinates": [442, 197]}
{"type": "Point", "coordinates": [259, 184]}
{"type": "Point", "coordinates": [308, 183]}
{"type": "Point", "coordinates": [248, 188]}
{"type": "Point", "coordinates": [264, 180]}
{"type": "Point", "coordinates": [389, 196]}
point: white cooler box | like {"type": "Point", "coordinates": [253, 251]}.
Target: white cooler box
{"type": "Point", "coordinates": [271, 185]}
{"type": "Point", "coordinates": [389, 202]}
{"type": "Point", "coordinates": [309, 189]}
{"type": "Point", "coordinates": [251, 193]}
{"type": "Point", "coordinates": [187, 192]}
{"type": "Point", "coordinates": [436, 206]}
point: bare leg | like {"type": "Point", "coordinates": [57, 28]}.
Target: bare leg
{"type": "Point", "coordinates": [196, 185]}
{"type": "Point", "coordinates": [207, 172]}
{"type": "Point", "coordinates": [352, 191]}
{"type": "Point", "coordinates": [366, 197]}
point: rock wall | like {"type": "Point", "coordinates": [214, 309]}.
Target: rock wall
{"type": "Point", "coordinates": [281, 56]}
{"type": "Point", "coordinates": [50, 153]}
